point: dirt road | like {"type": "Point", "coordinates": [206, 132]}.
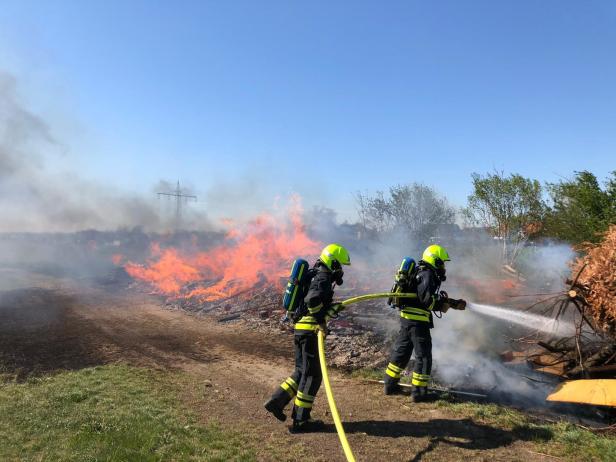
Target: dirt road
{"type": "Point", "coordinates": [47, 328]}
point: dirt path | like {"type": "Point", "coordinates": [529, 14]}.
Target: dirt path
{"type": "Point", "coordinates": [235, 370]}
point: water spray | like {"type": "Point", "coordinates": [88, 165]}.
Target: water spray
{"type": "Point", "coordinates": [522, 318]}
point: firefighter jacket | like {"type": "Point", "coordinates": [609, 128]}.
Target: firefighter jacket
{"type": "Point", "coordinates": [426, 286]}
{"type": "Point", "coordinates": [318, 301]}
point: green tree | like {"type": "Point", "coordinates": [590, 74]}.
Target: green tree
{"type": "Point", "coordinates": [580, 208]}
{"type": "Point", "coordinates": [510, 207]}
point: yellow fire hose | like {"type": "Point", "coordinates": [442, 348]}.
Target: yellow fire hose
{"type": "Point", "coordinates": [332, 404]}
{"type": "Point", "coordinates": [362, 298]}
{"type": "Point", "coordinates": [328, 389]}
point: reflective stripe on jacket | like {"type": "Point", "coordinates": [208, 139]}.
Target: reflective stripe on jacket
{"type": "Point", "coordinates": [419, 307]}
{"type": "Point", "coordinates": [318, 301]}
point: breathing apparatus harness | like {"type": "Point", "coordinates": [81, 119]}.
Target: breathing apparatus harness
{"type": "Point", "coordinates": [299, 283]}
{"type": "Point", "coordinates": [406, 282]}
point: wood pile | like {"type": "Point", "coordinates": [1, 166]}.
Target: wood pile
{"type": "Point", "coordinates": [596, 281]}
{"type": "Point", "coordinates": [590, 302]}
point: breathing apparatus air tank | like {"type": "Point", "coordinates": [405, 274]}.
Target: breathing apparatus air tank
{"type": "Point", "coordinates": [405, 281]}
{"type": "Point", "coordinates": [294, 293]}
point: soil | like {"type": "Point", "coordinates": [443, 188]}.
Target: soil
{"type": "Point", "coordinates": [50, 325]}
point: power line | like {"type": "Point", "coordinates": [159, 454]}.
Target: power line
{"type": "Point", "coordinates": [179, 197]}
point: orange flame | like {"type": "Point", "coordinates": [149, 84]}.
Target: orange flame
{"type": "Point", "coordinates": [117, 259]}
{"type": "Point", "coordinates": [260, 252]}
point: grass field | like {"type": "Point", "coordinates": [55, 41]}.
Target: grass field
{"type": "Point", "coordinates": [108, 413]}
{"type": "Point", "coordinates": [124, 413]}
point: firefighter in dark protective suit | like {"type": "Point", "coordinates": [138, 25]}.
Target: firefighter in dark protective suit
{"type": "Point", "coordinates": [304, 382]}
{"type": "Point", "coordinates": [416, 321]}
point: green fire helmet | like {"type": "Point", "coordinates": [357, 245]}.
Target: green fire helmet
{"type": "Point", "coordinates": [435, 256]}
{"type": "Point", "coordinates": [335, 253]}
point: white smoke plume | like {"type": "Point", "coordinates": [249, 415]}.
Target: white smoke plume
{"type": "Point", "coordinates": [467, 345]}
{"type": "Point", "coordinates": [33, 198]}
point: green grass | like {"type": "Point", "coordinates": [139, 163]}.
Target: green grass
{"type": "Point", "coordinates": [123, 413]}
{"type": "Point", "coordinates": [108, 413]}
{"type": "Point", "coordinates": [560, 439]}
{"type": "Point", "coordinates": [595, 447]}
{"type": "Point", "coordinates": [367, 373]}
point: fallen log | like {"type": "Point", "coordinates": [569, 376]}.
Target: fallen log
{"type": "Point", "coordinates": [598, 369]}
{"type": "Point", "coordinates": [594, 360]}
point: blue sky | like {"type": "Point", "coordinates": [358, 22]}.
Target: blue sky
{"type": "Point", "coordinates": [321, 98]}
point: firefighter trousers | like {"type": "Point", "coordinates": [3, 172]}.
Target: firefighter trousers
{"type": "Point", "coordinates": [305, 381]}
{"type": "Point", "coordinates": [413, 335]}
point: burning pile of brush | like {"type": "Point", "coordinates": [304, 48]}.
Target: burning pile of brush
{"type": "Point", "coordinates": [596, 281]}
{"type": "Point", "coordinates": [252, 256]}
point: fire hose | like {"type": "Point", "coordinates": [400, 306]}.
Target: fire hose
{"type": "Point", "coordinates": [328, 389]}
{"type": "Point", "coordinates": [332, 404]}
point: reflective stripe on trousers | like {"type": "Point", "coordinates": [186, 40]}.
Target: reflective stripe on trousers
{"type": "Point", "coordinates": [420, 380]}
{"type": "Point", "coordinates": [304, 400]}
{"type": "Point", "coordinates": [290, 386]}
{"type": "Point", "coordinates": [394, 371]}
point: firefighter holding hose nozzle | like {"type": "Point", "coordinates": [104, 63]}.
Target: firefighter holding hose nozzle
{"type": "Point", "coordinates": [423, 282]}
{"type": "Point", "coordinates": [308, 299]}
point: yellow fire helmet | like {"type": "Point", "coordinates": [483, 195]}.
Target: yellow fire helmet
{"type": "Point", "coordinates": [435, 256]}
{"type": "Point", "coordinates": [335, 253]}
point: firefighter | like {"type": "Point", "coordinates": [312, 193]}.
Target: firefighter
{"type": "Point", "coordinates": [416, 321]}
{"type": "Point", "coordinates": [304, 382]}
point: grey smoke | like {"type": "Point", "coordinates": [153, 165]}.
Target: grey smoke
{"type": "Point", "coordinates": [35, 199]}
{"type": "Point", "coordinates": [466, 345]}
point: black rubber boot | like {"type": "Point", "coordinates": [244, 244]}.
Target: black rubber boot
{"type": "Point", "coordinates": [422, 395]}
{"type": "Point", "coordinates": [306, 426]}
{"type": "Point", "coordinates": [273, 407]}
{"type": "Point", "coordinates": [431, 396]}
{"type": "Point", "coordinates": [393, 388]}
{"type": "Point", "coordinates": [418, 394]}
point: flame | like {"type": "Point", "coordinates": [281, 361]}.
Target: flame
{"type": "Point", "coordinates": [117, 259]}
{"type": "Point", "coordinates": [258, 253]}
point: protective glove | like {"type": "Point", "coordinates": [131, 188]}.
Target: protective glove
{"type": "Point", "coordinates": [323, 328]}
{"type": "Point", "coordinates": [391, 299]}
{"type": "Point", "coordinates": [457, 304]}
{"type": "Point", "coordinates": [443, 302]}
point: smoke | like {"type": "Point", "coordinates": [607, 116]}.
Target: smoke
{"type": "Point", "coordinates": [240, 199]}
{"type": "Point", "coordinates": [467, 344]}
{"type": "Point", "coordinates": [35, 198]}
